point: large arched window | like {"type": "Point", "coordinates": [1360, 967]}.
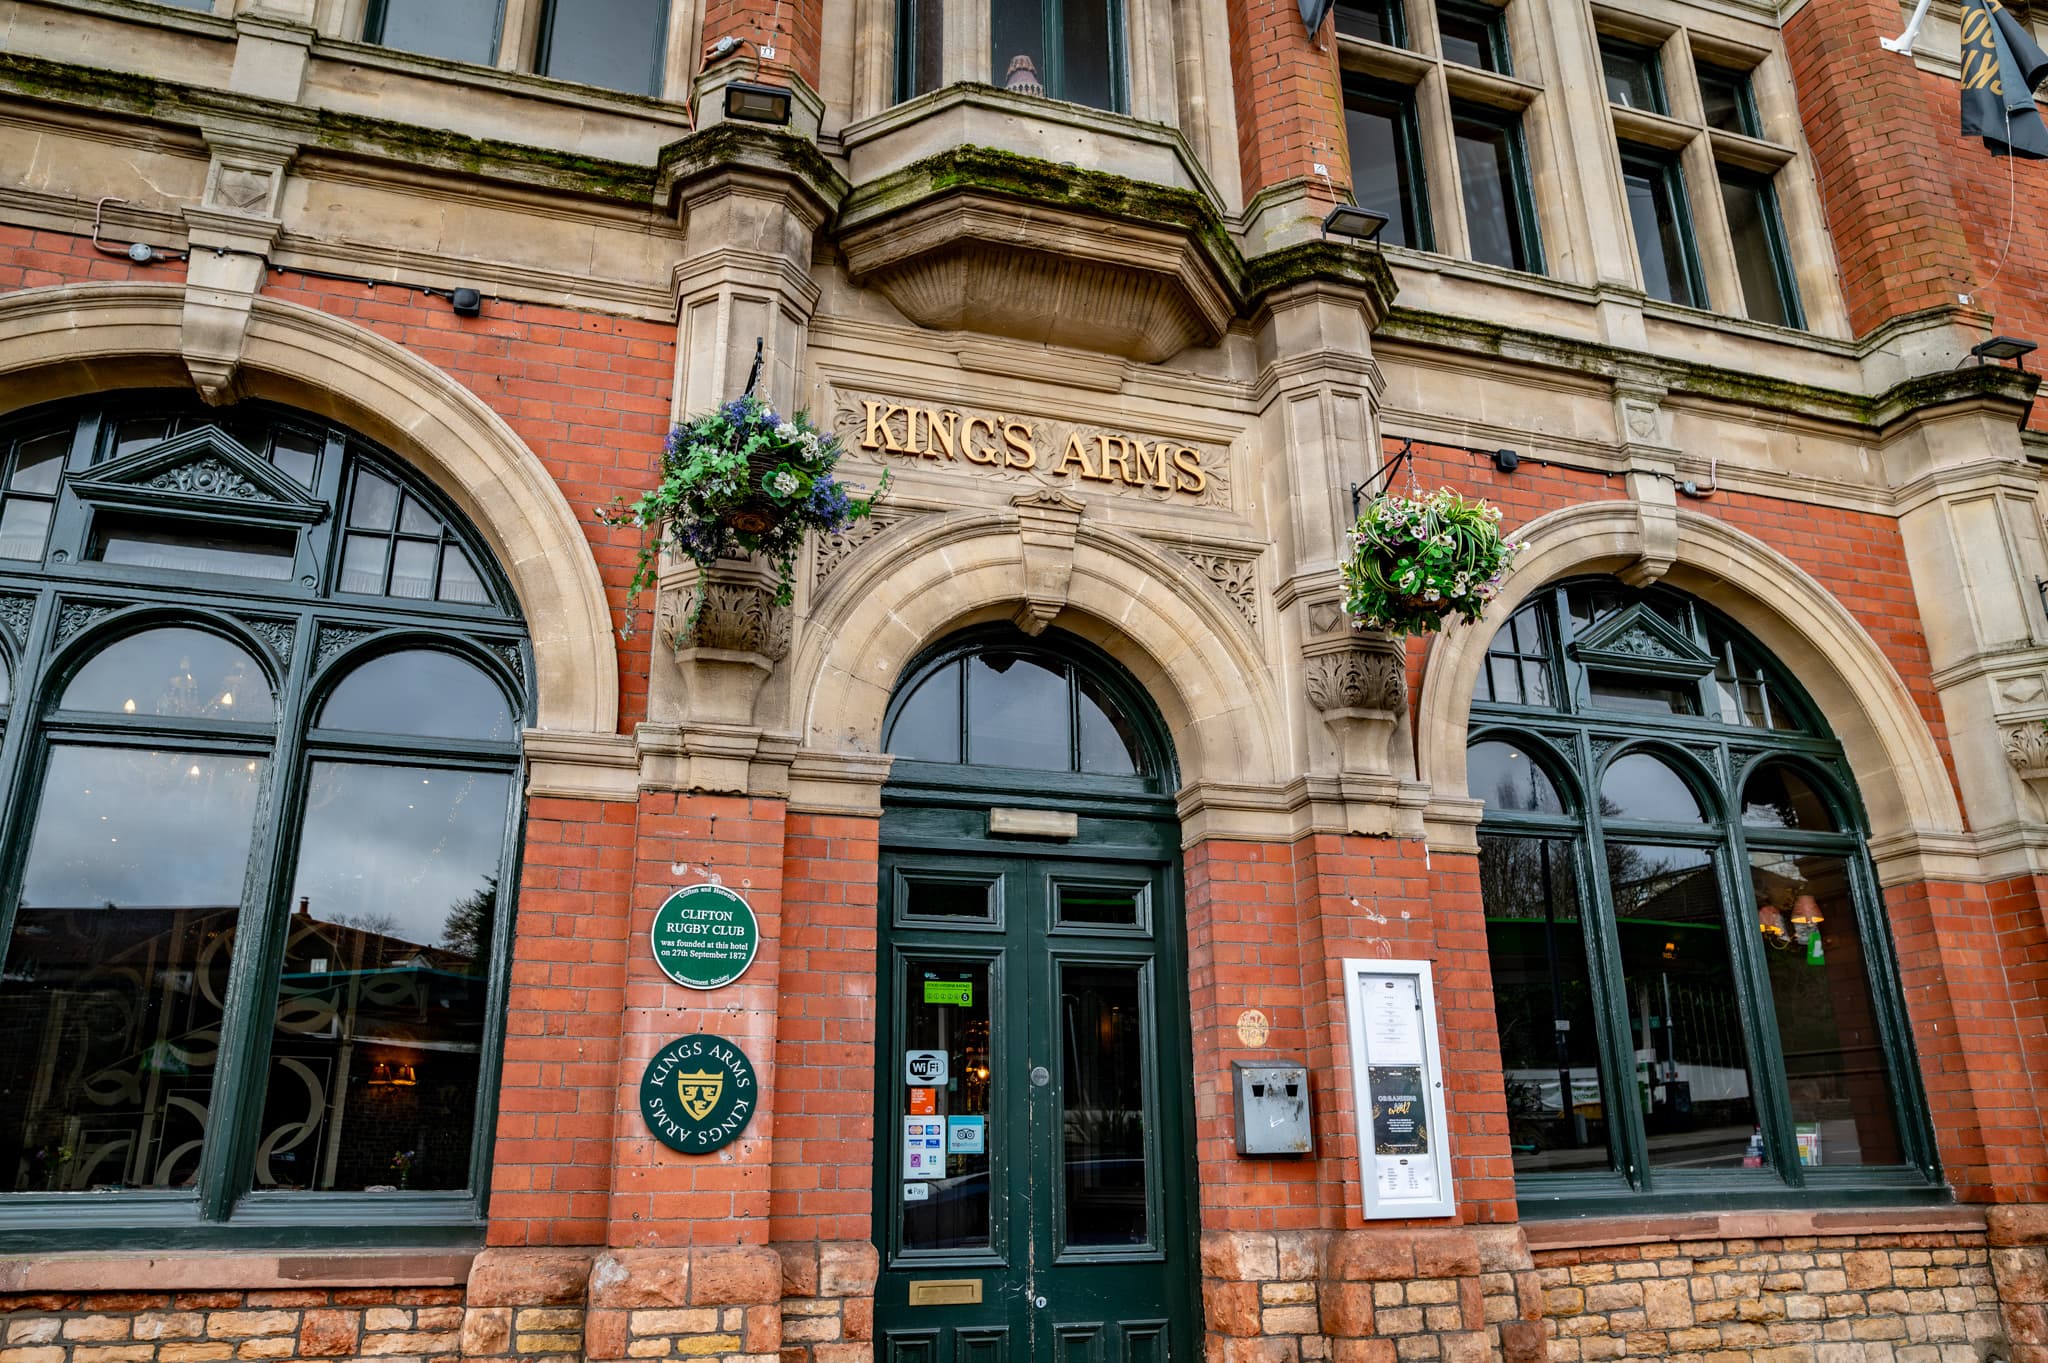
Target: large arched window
{"type": "Point", "coordinates": [261, 692]}
{"type": "Point", "coordinates": [1692, 978]}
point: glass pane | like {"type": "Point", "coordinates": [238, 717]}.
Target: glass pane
{"type": "Point", "coordinates": [6, 681]}
{"type": "Point", "coordinates": [420, 691]}
{"type": "Point", "coordinates": [174, 673]}
{"type": "Point", "coordinates": [1102, 1134]}
{"type": "Point", "coordinates": [1759, 250]}
{"type": "Point", "coordinates": [415, 519]}
{"type": "Point", "coordinates": [1378, 127]}
{"type": "Point", "coordinates": [1661, 232]}
{"type": "Point", "coordinates": [1017, 713]}
{"type": "Point", "coordinates": [1469, 35]}
{"type": "Point", "coordinates": [1633, 78]}
{"type": "Point", "coordinates": [1725, 97]}
{"type": "Point", "coordinates": [1692, 1073]}
{"type": "Point", "coordinates": [141, 432]}
{"type": "Point", "coordinates": [37, 463]}
{"type": "Point", "coordinates": [1827, 1025]}
{"type": "Point", "coordinates": [1503, 776]}
{"type": "Point", "coordinates": [24, 528]}
{"type": "Point", "coordinates": [375, 501]}
{"type": "Point", "coordinates": [1100, 906]}
{"type": "Point", "coordinates": [1087, 76]}
{"type": "Point", "coordinates": [379, 1021]}
{"type": "Point", "coordinates": [949, 899]}
{"type": "Point", "coordinates": [1109, 745]}
{"type": "Point", "coordinates": [1640, 786]}
{"type": "Point", "coordinates": [1493, 204]}
{"type": "Point", "coordinates": [362, 564]}
{"type": "Point", "coordinates": [1376, 21]}
{"type": "Point", "coordinates": [412, 568]}
{"type": "Point", "coordinates": [927, 727]}
{"type": "Point", "coordinates": [945, 1154]}
{"type": "Point", "coordinates": [1646, 695]}
{"type": "Point", "coordinates": [296, 454]}
{"type": "Point", "coordinates": [117, 966]}
{"type": "Point", "coordinates": [196, 547]}
{"type": "Point", "coordinates": [459, 580]}
{"type": "Point", "coordinates": [1017, 46]}
{"type": "Point", "coordinates": [1543, 1004]}
{"type": "Point", "coordinates": [460, 30]}
{"type": "Point", "coordinates": [924, 38]}
{"type": "Point", "coordinates": [613, 43]}
{"type": "Point", "coordinates": [1778, 797]}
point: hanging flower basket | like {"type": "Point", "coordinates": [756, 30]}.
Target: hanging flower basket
{"type": "Point", "coordinates": [1416, 559]}
{"type": "Point", "coordinates": [739, 480]}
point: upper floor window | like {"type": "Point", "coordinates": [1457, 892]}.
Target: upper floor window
{"type": "Point", "coordinates": [1386, 158]}
{"type": "Point", "coordinates": [1072, 50]}
{"type": "Point", "coordinates": [304, 781]}
{"type": "Point", "coordinates": [459, 30]}
{"type": "Point", "coordinates": [615, 44]}
{"type": "Point", "coordinates": [1692, 979]}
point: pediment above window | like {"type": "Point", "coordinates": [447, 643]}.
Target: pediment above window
{"type": "Point", "coordinates": [1640, 641]}
{"type": "Point", "coordinates": [205, 473]}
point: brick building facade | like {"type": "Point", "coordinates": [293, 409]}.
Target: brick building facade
{"type": "Point", "coordinates": [1067, 768]}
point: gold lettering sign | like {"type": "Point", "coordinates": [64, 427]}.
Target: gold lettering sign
{"type": "Point", "coordinates": [1003, 444]}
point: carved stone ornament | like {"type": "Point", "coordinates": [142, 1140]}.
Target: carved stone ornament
{"type": "Point", "coordinates": [1237, 578]}
{"type": "Point", "coordinates": [2026, 748]}
{"type": "Point", "coordinates": [737, 617]}
{"type": "Point", "coordinates": [830, 552]}
{"type": "Point", "coordinates": [725, 655]}
{"type": "Point", "coordinates": [15, 614]}
{"type": "Point", "coordinates": [1360, 685]}
{"type": "Point", "coordinates": [1047, 522]}
{"type": "Point", "coordinates": [208, 477]}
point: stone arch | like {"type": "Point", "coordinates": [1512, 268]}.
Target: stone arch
{"type": "Point", "coordinates": [1898, 767]}
{"type": "Point", "coordinates": [79, 339]}
{"type": "Point", "coordinates": [1157, 618]}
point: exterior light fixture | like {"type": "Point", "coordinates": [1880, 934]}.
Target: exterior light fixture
{"type": "Point", "coordinates": [1506, 461]}
{"type": "Point", "coordinates": [757, 103]}
{"type": "Point", "coordinates": [1354, 223]}
{"type": "Point", "coordinates": [2005, 348]}
{"type": "Point", "coordinates": [464, 302]}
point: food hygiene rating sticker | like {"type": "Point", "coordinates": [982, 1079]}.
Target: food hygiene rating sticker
{"type": "Point", "coordinates": [698, 1093]}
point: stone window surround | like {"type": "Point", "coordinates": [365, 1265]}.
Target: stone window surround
{"type": "Point", "coordinates": [1534, 35]}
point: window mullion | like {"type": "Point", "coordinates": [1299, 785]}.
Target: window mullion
{"type": "Point", "coordinates": [240, 1076]}
{"type": "Point", "coordinates": [1773, 1095]}
{"type": "Point", "coordinates": [1627, 1138]}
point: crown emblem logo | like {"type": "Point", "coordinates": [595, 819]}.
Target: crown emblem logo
{"type": "Point", "coordinates": [699, 1092]}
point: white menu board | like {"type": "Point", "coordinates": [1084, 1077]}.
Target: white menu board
{"type": "Point", "coordinates": [1397, 1074]}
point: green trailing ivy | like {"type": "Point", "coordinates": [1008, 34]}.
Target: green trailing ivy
{"type": "Point", "coordinates": [1416, 559]}
{"type": "Point", "coordinates": [739, 480]}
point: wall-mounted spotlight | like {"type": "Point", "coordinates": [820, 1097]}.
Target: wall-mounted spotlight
{"type": "Point", "coordinates": [1506, 461]}
{"type": "Point", "coordinates": [1353, 223]}
{"type": "Point", "coordinates": [463, 302]}
{"type": "Point", "coordinates": [757, 103]}
{"type": "Point", "coordinates": [2004, 348]}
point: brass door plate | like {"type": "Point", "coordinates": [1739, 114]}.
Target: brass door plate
{"type": "Point", "coordinates": [946, 1292]}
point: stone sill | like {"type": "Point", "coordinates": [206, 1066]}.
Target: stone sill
{"type": "Point", "coordinates": [1592, 1232]}
{"type": "Point", "coordinates": [207, 1272]}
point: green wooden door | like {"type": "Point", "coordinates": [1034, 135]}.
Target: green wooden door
{"type": "Point", "coordinates": [1032, 1168]}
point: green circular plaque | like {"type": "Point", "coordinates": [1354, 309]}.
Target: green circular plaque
{"type": "Point", "coordinates": [697, 1093]}
{"type": "Point", "coordinates": [704, 936]}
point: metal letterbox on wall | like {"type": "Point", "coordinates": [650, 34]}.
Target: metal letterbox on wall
{"type": "Point", "coordinates": [1272, 1108]}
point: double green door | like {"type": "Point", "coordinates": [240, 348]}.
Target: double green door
{"type": "Point", "coordinates": [1032, 1168]}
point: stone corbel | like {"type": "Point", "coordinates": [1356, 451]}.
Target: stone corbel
{"type": "Point", "coordinates": [725, 655]}
{"type": "Point", "coordinates": [1360, 685]}
{"type": "Point", "coordinates": [230, 237]}
{"type": "Point", "coordinates": [1047, 522]}
{"type": "Point", "coordinates": [1652, 465]}
{"type": "Point", "coordinates": [2026, 748]}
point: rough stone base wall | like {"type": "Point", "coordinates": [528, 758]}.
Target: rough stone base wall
{"type": "Point", "coordinates": [828, 1302]}
{"type": "Point", "coordinates": [1926, 1298]}
{"type": "Point", "coordinates": [423, 1324]}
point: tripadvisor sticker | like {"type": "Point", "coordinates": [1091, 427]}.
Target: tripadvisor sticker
{"type": "Point", "coordinates": [697, 1093]}
{"type": "Point", "coordinates": [704, 936]}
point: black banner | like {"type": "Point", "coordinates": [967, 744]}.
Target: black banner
{"type": "Point", "coordinates": [2001, 66]}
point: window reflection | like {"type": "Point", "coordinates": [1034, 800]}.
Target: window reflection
{"type": "Point", "coordinates": [1640, 786]}
{"type": "Point", "coordinates": [1505, 777]}
{"type": "Point", "coordinates": [1021, 710]}
{"type": "Point", "coordinates": [174, 673]}
{"type": "Point", "coordinates": [422, 692]}
{"type": "Point", "coordinates": [379, 1018]}
{"type": "Point", "coordinates": [117, 966]}
{"type": "Point", "coordinates": [1776, 796]}
{"type": "Point", "coordinates": [1103, 1126]}
{"type": "Point", "coordinates": [1543, 1004]}
{"type": "Point", "coordinates": [459, 30]}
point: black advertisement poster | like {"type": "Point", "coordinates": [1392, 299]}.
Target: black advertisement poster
{"type": "Point", "coordinates": [1400, 1118]}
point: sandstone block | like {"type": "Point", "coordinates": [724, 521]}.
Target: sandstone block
{"type": "Point", "coordinates": [857, 1318]}
{"type": "Point", "coordinates": [486, 1330]}
{"type": "Point", "coordinates": [1365, 1351]}
{"type": "Point", "coordinates": [529, 1277]}
{"type": "Point", "coordinates": [328, 1334]}
{"type": "Point", "coordinates": [698, 1346]}
{"type": "Point", "coordinates": [1432, 1292]}
{"type": "Point", "coordinates": [2021, 1274]}
{"type": "Point", "coordinates": [387, 1318]}
{"type": "Point", "coordinates": [1232, 1308]}
{"type": "Point", "coordinates": [1666, 1303]}
{"type": "Point", "coordinates": [1347, 1309]}
{"type": "Point", "coordinates": [97, 1328]}
{"type": "Point", "coordinates": [1867, 1268]}
{"type": "Point", "coordinates": [1297, 1254]}
{"type": "Point", "coordinates": [604, 1334]}
{"type": "Point", "coordinates": [847, 1269]}
{"type": "Point", "coordinates": [170, 1325]}
{"type": "Point", "coordinates": [208, 1352]}
{"type": "Point", "coordinates": [737, 1277]}
{"type": "Point", "coordinates": [1446, 1254]}
{"type": "Point", "coordinates": [266, 1347]}
{"type": "Point", "coordinates": [1522, 1341]}
{"type": "Point", "coordinates": [1286, 1293]}
{"type": "Point", "coordinates": [799, 1269]}
{"type": "Point", "coordinates": [1372, 1256]}
{"type": "Point", "coordinates": [113, 1353]}
{"type": "Point", "coordinates": [40, 1330]}
{"type": "Point", "coordinates": [33, 1354]}
{"type": "Point", "coordinates": [1290, 1320]}
{"type": "Point", "coordinates": [548, 1343]}
{"type": "Point", "coordinates": [691, 1322]}
{"type": "Point", "coordinates": [1240, 1256]}
{"type": "Point", "coordinates": [246, 1324]}
{"type": "Point", "coordinates": [643, 1277]}
{"type": "Point", "coordinates": [541, 1319]}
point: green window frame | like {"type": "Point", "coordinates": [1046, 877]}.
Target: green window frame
{"type": "Point", "coordinates": [547, 56]}
{"type": "Point", "coordinates": [1063, 25]}
{"type": "Point", "coordinates": [1373, 21]}
{"type": "Point", "coordinates": [1635, 75]}
{"type": "Point", "coordinates": [1763, 257]}
{"type": "Point", "coordinates": [1654, 675]}
{"type": "Point", "coordinates": [479, 22]}
{"type": "Point", "coordinates": [1515, 242]}
{"type": "Point", "coordinates": [1474, 33]}
{"type": "Point", "coordinates": [1393, 105]}
{"type": "Point", "coordinates": [1661, 216]}
{"type": "Point", "coordinates": [920, 47]}
{"type": "Point", "coordinates": [1728, 100]}
{"type": "Point", "coordinates": [203, 481]}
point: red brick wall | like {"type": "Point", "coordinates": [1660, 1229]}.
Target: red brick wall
{"type": "Point", "coordinates": [32, 259]}
{"type": "Point", "coordinates": [1290, 110]}
{"type": "Point", "coordinates": [791, 27]}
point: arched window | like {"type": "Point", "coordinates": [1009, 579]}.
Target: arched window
{"type": "Point", "coordinates": [1692, 979]}
{"type": "Point", "coordinates": [263, 692]}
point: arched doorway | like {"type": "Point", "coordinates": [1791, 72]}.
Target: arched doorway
{"type": "Point", "coordinates": [1033, 1151]}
